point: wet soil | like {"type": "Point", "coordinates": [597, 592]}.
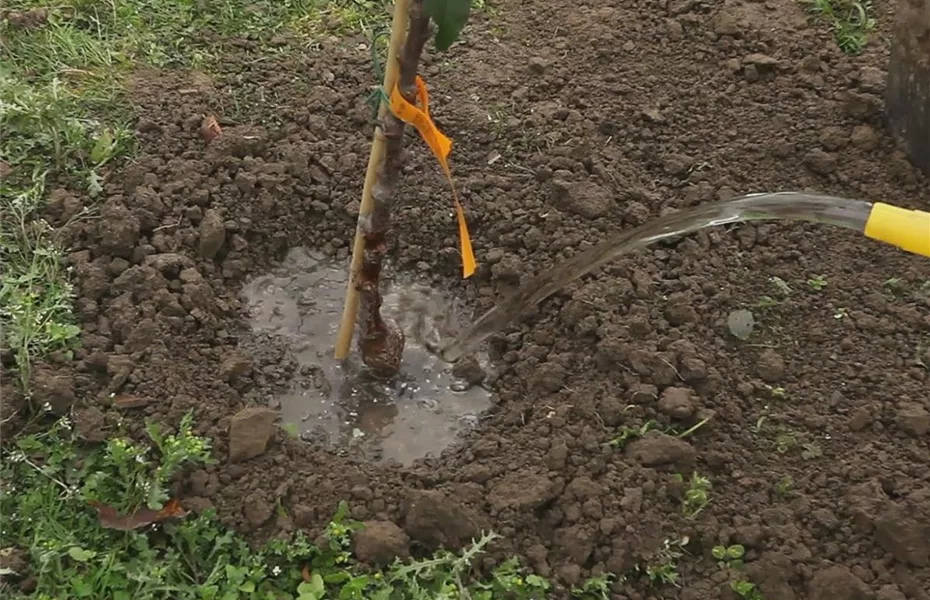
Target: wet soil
{"type": "Point", "coordinates": [570, 120]}
{"type": "Point", "coordinates": [339, 403]}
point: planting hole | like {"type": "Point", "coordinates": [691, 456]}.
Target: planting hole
{"type": "Point", "coordinates": [418, 413]}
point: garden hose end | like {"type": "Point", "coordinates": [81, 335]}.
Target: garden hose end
{"type": "Point", "coordinates": [907, 229]}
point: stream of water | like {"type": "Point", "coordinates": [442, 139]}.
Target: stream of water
{"type": "Point", "coordinates": [841, 212]}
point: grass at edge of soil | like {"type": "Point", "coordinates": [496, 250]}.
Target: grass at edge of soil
{"type": "Point", "coordinates": [850, 20]}
{"type": "Point", "coordinates": [55, 543]}
{"type": "Point", "coordinates": [63, 113]}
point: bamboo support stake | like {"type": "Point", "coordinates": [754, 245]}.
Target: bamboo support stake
{"type": "Point", "coordinates": [391, 72]}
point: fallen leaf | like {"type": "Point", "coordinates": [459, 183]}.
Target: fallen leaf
{"type": "Point", "coordinates": [111, 519]}
{"type": "Point", "coordinates": [126, 401]}
{"type": "Point", "coordinates": [210, 129]}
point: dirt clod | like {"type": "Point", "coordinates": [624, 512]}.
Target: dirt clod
{"type": "Point", "coordinates": [657, 449]}
{"type": "Point", "coordinates": [380, 542]}
{"type": "Point", "coordinates": [250, 430]}
{"type": "Point", "coordinates": [913, 419]}
{"type": "Point", "coordinates": [838, 583]}
{"type": "Point", "coordinates": [770, 366]}
{"type": "Point", "coordinates": [52, 390]}
{"type": "Point", "coordinates": [90, 425]}
{"type": "Point", "coordinates": [435, 520]}
{"type": "Point", "coordinates": [676, 402]}
{"type": "Point", "coordinates": [586, 199]}
{"type": "Point", "coordinates": [212, 234]}
{"type": "Point", "coordinates": [522, 490]}
{"type": "Point", "coordinates": [900, 533]}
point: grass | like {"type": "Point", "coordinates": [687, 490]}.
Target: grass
{"type": "Point", "coordinates": [50, 486]}
{"type": "Point", "coordinates": [850, 20]}
{"type": "Point", "coordinates": [62, 113]}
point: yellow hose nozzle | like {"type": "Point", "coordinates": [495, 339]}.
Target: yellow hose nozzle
{"type": "Point", "coordinates": [901, 227]}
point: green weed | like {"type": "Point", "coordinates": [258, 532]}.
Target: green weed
{"type": "Point", "coordinates": [817, 283]}
{"type": "Point", "coordinates": [595, 588]}
{"type": "Point", "coordinates": [730, 557]}
{"type": "Point", "coordinates": [766, 302]}
{"type": "Point", "coordinates": [628, 434]}
{"type": "Point", "coordinates": [664, 570]}
{"type": "Point", "coordinates": [781, 285]}
{"type": "Point", "coordinates": [47, 485]}
{"type": "Point", "coordinates": [35, 292]}
{"type": "Point", "coordinates": [851, 21]}
{"type": "Point", "coordinates": [746, 590]}
{"type": "Point", "coordinates": [697, 495]}
{"type": "Point", "coordinates": [784, 486]}
{"type": "Point", "coordinates": [785, 440]}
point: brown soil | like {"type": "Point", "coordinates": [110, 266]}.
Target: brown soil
{"type": "Point", "coordinates": [604, 115]}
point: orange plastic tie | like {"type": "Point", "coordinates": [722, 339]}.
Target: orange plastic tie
{"type": "Point", "coordinates": [441, 147]}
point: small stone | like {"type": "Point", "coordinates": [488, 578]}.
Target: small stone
{"type": "Point", "coordinates": [90, 425]}
{"type": "Point", "coordinates": [905, 538]}
{"type": "Point", "coordinates": [678, 165]}
{"type": "Point", "coordinates": [249, 433]}
{"type": "Point", "coordinates": [257, 510]}
{"type": "Point", "coordinates": [821, 162]}
{"type": "Point", "coordinates": [762, 62]}
{"type": "Point", "coordinates": [653, 115]}
{"type": "Point", "coordinates": [860, 419]}
{"type": "Point", "coordinates": [537, 65]}
{"type": "Point", "coordinates": [861, 106]}
{"type": "Point", "coordinates": [380, 542]}
{"type": "Point", "coordinates": [751, 73]}
{"type": "Point", "coordinates": [521, 489]}
{"type": "Point", "coordinates": [550, 377]}
{"type": "Point", "coordinates": [741, 323]}
{"type": "Point", "coordinates": [693, 369]}
{"type": "Point", "coordinates": [725, 24]}
{"type": "Point", "coordinates": [872, 80]}
{"type": "Point", "coordinates": [236, 365]}
{"type": "Point", "coordinates": [838, 583]}
{"type": "Point", "coordinates": [675, 31]}
{"type": "Point", "coordinates": [644, 393]}
{"type": "Point", "coordinates": [658, 449]}
{"type": "Point", "coordinates": [679, 7]}
{"type": "Point", "coordinates": [890, 592]}
{"type": "Point", "coordinates": [864, 137]}
{"type": "Point", "coordinates": [833, 138]}
{"type": "Point", "coordinates": [586, 199]}
{"type": "Point", "coordinates": [913, 419]}
{"type": "Point", "coordinates": [676, 402]}
{"type": "Point", "coordinates": [770, 367]}
{"type": "Point", "coordinates": [212, 234]}
{"type": "Point", "coordinates": [680, 313]}
{"type": "Point", "coordinates": [469, 370]}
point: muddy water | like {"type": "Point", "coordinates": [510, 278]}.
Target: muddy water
{"type": "Point", "coordinates": [417, 414]}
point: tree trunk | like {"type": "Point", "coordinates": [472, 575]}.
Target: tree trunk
{"type": "Point", "coordinates": [908, 95]}
{"type": "Point", "coordinates": [381, 340]}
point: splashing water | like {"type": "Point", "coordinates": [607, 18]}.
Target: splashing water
{"type": "Point", "coordinates": [794, 206]}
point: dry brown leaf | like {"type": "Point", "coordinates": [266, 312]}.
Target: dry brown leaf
{"type": "Point", "coordinates": [111, 519]}
{"type": "Point", "coordinates": [127, 401]}
{"type": "Point", "coordinates": [210, 129]}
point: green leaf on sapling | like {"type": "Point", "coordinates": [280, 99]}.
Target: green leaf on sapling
{"type": "Point", "coordinates": [450, 17]}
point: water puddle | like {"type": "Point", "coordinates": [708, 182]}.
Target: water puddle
{"type": "Point", "coordinates": [418, 414]}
